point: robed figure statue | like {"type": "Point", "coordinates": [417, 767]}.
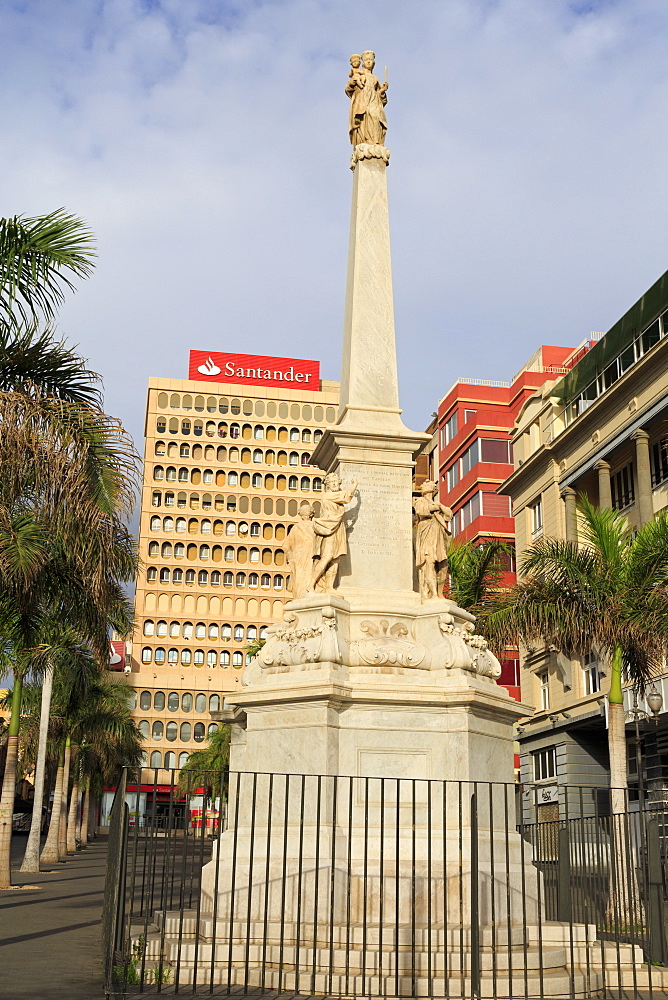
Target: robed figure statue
{"type": "Point", "coordinates": [331, 542]}
{"type": "Point", "coordinates": [432, 541]}
{"type": "Point", "coordinates": [368, 97]}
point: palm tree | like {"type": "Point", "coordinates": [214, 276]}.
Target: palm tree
{"type": "Point", "coordinates": [68, 470]}
{"type": "Point", "coordinates": [206, 767]}
{"type": "Point", "coordinates": [475, 572]}
{"type": "Point", "coordinates": [610, 593]}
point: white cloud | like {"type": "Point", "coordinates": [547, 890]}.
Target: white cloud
{"type": "Point", "coordinates": [205, 143]}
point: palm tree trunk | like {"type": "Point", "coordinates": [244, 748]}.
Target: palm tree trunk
{"type": "Point", "coordinates": [50, 850]}
{"type": "Point", "coordinates": [85, 810]}
{"type": "Point", "coordinates": [9, 786]}
{"type": "Point", "coordinates": [73, 818]}
{"type": "Point", "coordinates": [92, 817]}
{"type": "Point", "coordinates": [31, 856]}
{"type": "Point", "coordinates": [62, 828]}
{"type": "Point", "coordinates": [624, 908]}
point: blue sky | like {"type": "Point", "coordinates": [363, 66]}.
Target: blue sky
{"type": "Point", "coordinates": [206, 144]}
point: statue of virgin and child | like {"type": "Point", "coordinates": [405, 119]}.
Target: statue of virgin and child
{"type": "Point", "coordinates": [368, 97]}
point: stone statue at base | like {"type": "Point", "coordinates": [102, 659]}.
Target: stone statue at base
{"type": "Point", "coordinates": [300, 551]}
{"type": "Point", "coordinates": [368, 97]}
{"type": "Point", "coordinates": [432, 542]}
{"type": "Point", "coordinates": [331, 542]}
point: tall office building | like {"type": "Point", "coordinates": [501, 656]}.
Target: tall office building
{"type": "Point", "coordinates": [227, 464]}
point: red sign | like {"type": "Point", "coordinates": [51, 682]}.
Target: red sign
{"type": "Point", "coordinates": [254, 369]}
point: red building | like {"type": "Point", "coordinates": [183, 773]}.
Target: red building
{"type": "Point", "coordinates": [475, 419]}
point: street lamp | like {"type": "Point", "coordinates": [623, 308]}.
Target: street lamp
{"type": "Point", "coordinates": [655, 702]}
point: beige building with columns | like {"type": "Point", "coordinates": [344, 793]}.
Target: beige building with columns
{"type": "Point", "coordinates": [226, 467]}
{"type": "Point", "coordinates": [602, 430]}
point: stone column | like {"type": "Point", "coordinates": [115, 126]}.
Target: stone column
{"type": "Point", "coordinates": [569, 496]}
{"type": "Point", "coordinates": [643, 476]}
{"type": "Point", "coordinates": [604, 491]}
{"type": "Point", "coordinates": [369, 441]}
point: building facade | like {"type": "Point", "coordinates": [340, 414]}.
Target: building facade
{"type": "Point", "coordinates": [227, 463]}
{"type": "Point", "coordinates": [475, 423]}
{"type": "Point", "coordinates": [602, 431]}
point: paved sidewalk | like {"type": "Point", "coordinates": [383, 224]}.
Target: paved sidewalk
{"type": "Point", "coordinates": [50, 938]}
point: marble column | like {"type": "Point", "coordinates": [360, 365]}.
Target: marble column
{"type": "Point", "coordinates": [604, 492]}
{"type": "Point", "coordinates": [569, 496]}
{"type": "Point", "coordinates": [369, 442]}
{"type": "Point", "coordinates": [643, 476]}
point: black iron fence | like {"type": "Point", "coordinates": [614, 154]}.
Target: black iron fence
{"type": "Point", "coordinates": [318, 885]}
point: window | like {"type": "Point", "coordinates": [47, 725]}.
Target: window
{"type": "Point", "coordinates": [224, 658]}
{"type": "Point", "coordinates": [257, 481]}
{"type": "Point", "coordinates": [161, 628]}
{"type": "Point", "coordinates": [169, 499]}
{"type": "Point", "coordinates": [293, 483]}
{"type": "Point", "coordinates": [148, 627]}
{"type": "Point", "coordinates": [159, 655]}
{"type": "Point", "coordinates": [214, 703]}
{"type": "Point", "coordinates": [545, 764]}
{"type": "Point", "coordinates": [159, 701]}
{"type": "Point", "coordinates": [660, 462]}
{"type": "Point", "coordinates": [173, 701]}
{"type": "Point", "coordinates": [171, 731]}
{"type": "Point", "coordinates": [453, 476]}
{"type": "Point", "coordinates": [257, 456]}
{"type": "Point", "coordinates": [495, 450]}
{"type": "Point", "coordinates": [179, 550]}
{"type": "Point", "coordinates": [253, 580]}
{"type": "Point", "coordinates": [186, 702]}
{"type": "Point", "coordinates": [536, 512]}
{"type": "Point", "coordinates": [622, 487]}
{"type": "Point", "coordinates": [278, 582]}
{"type": "Point", "coordinates": [183, 759]}
{"type": "Point", "coordinates": [186, 732]}
{"type": "Point", "coordinates": [213, 728]}
{"type": "Point", "coordinates": [202, 578]}
{"type": "Point", "coordinates": [157, 499]}
{"type": "Point", "coordinates": [199, 732]}
{"type": "Point", "coordinates": [225, 631]}
{"type": "Point", "coordinates": [145, 701]}
{"type": "Point", "coordinates": [251, 633]}
{"type": "Point", "coordinates": [469, 511]}
{"type": "Point", "coordinates": [238, 660]}
{"type": "Point", "coordinates": [239, 633]}
{"type": "Point", "coordinates": [294, 434]}
{"type": "Point", "coordinates": [591, 676]}
{"type": "Point", "coordinates": [228, 579]}
{"type": "Point", "coordinates": [190, 576]}
{"type": "Point", "coordinates": [157, 730]}
{"type": "Point", "coordinates": [143, 728]}
{"type": "Point", "coordinates": [187, 630]}
{"type": "Point", "coordinates": [146, 654]}
{"type": "Point", "coordinates": [470, 458]}
{"type": "Point", "coordinates": [156, 524]}
{"type": "Point", "coordinates": [451, 428]}
{"type": "Point", "coordinates": [199, 658]}
{"type": "Point", "coordinates": [265, 582]}
{"type": "Point", "coordinates": [177, 576]}
{"type": "Point", "coordinates": [469, 415]}
{"type": "Point", "coordinates": [186, 657]}
{"type": "Point", "coordinates": [173, 656]}
{"type": "Point", "coordinates": [200, 703]}
{"type": "Point", "coordinates": [156, 759]}
{"type": "Point", "coordinates": [544, 686]}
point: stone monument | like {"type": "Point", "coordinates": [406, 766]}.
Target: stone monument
{"type": "Point", "coordinates": [367, 677]}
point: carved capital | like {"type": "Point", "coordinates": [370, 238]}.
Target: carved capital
{"type": "Point", "coordinates": [368, 151]}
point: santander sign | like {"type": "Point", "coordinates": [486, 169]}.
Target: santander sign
{"type": "Point", "coordinates": [254, 369]}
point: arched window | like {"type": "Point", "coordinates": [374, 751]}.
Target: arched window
{"type": "Point", "coordinates": [306, 436]}
{"type": "Point", "coordinates": [171, 731]}
{"type": "Point", "coordinates": [251, 632]}
{"type": "Point", "coordinates": [183, 475]}
{"type": "Point", "coordinates": [168, 524]}
{"type": "Point", "coordinates": [164, 576]}
{"type": "Point", "coordinates": [186, 702]}
{"type": "Point", "coordinates": [157, 499]}
{"type": "Point", "coordinates": [258, 433]}
{"type": "Point", "coordinates": [202, 578]}
{"type": "Point", "coordinates": [179, 550]}
{"type": "Point", "coordinates": [153, 549]}
{"type": "Point", "coordinates": [294, 434]}
{"type": "Point", "coordinates": [181, 525]}
{"type": "Point", "coordinates": [225, 631]}
{"type": "Point", "coordinates": [170, 760]}
{"type": "Point", "coordinates": [293, 483]}
{"type": "Point", "coordinates": [204, 552]}
{"type": "Point", "coordinates": [224, 658]}
{"type": "Point", "coordinates": [254, 555]}
{"type": "Point", "coordinates": [149, 627]}
{"type": "Point", "coordinates": [169, 499]}
{"type": "Point", "coordinates": [157, 730]}
{"type": "Point", "coordinates": [190, 576]}
{"type": "Point", "coordinates": [257, 481]}
{"type": "Point", "coordinates": [207, 476]}
{"type": "Point", "coordinates": [145, 701]}
{"type": "Point", "coordinates": [156, 523]}
{"type": "Point", "coordinates": [265, 582]}
{"type": "Point", "coordinates": [159, 655]}
{"type": "Point", "coordinates": [187, 631]}
{"type": "Point", "coordinates": [200, 703]}
{"type": "Point", "coordinates": [161, 628]}
{"type": "Point", "coordinates": [215, 578]}
{"type": "Point", "coordinates": [151, 574]}
{"type": "Point", "coordinates": [159, 448]}
{"type": "Point", "coordinates": [185, 427]}
{"type": "Point", "coordinates": [263, 632]}
{"type": "Point", "coordinates": [229, 554]}
{"type": "Point", "coordinates": [241, 579]}
{"type": "Point", "coordinates": [317, 485]}
{"type": "Point", "coordinates": [253, 580]}
{"type": "Point", "coordinates": [199, 657]}
{"type": "Point", "coordinates": [305, 484]}
{"type": "Point", "coordinates": [238, 660]}
{"type": "Point", "coordinates": [173, 701]}
{"type": "Point", "coordinates": [183, 759]}
{"type": "Point", "coordinates": [146, 654]}
{"type": "Point", "coordinates": [199, 732]}
{"type": "Point", "coordinates": [213, 728]}
{"type": "Point", "coordinates": [156, 760]}
{"type": "Point", "coordinates": [239, 633]}
{"type": "Point", "coordinates": [200, 630]}
{"type": "Point", "coordinates": [186, 657]}
{"type": "Point", "coordinates": [205, 527]}
{"type": "Point", "coordinates": [214, 703]}
{"type": "Point", "coordinates": [278, 582]}
{"type": "Point", "coordinates": [235, 431]}
{"type": "Point", "coordinates": [316, 436]}
{"type": "Point", "coordinates": [177, 576]}
{"type": "Point", "coordinates": [170, 475]}
{"type": "Point", "coordinates": [143, 728]}
{"type": "Point", "coordinates": [294, 458]}
{"type": "Point", "coordinates": [306, 458]}
{"type": "Point", "coordinates": [161, 427]}
{"type": "Point", "coordinates": [257, 456]}
{"type": "Point", "coordinates": [211, 658]}
{"type": "Point", "coordinates": [228, 578]}
{"type": "Point", "coordinates": [158, 472]}
{"type": "Point", "coordinates": [159, 701]}
{"type": "Point", "coordinates": [166, 550]}
{"type": "Point", "coordinates": [186, 732]}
